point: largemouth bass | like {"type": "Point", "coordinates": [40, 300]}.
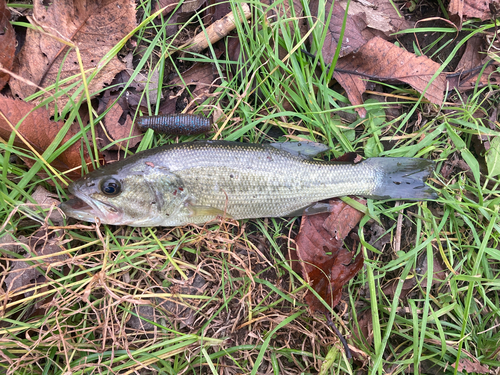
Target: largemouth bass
{"type": "Point", "coordinates": [197, 182]}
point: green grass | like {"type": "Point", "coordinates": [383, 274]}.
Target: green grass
{"type": "Point", "coordinates": [251, 318]}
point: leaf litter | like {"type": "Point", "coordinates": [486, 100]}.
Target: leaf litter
{"type": "Point", "coordinates": [38, 131]}
{"type": "Point", "coordinates": [8, 43]}
{"type": "Point", "coordinates": [94, 27]}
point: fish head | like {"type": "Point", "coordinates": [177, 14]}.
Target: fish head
{"type": "Point", "coordinates": [129, 196]}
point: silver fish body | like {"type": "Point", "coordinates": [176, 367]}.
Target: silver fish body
{"type": "Point", "coordinates": [197, 182]}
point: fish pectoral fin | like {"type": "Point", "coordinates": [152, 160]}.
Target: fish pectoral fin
{"type": "Point", "coordinates": [197, 210]}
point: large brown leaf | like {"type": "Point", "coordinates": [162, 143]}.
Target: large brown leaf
{"type": "Point", "coordinates": [352, 39]}
{"type": "Point", "coordinates": [381, 60]}
{"type": "Point", "coordinates": [94, 26]}
{"type": "Point", "coordinates": [39, 131]}
{"type": "Point", "coordinates": [8, 43]}
{"type": "Point", "coordinates": [325, 264]}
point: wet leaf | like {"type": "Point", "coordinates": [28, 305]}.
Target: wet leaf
{"type": "Point", "coordinates": [94, 26]}
{"type": "Point", "coordinates": [493, 157]}
{"type": "Point", "coordinates": [324, 263]}
{"type": "Point", "coordinates": [39, 131]}
{"type": "Point", "coordinates": [383, 61]}
{"type": "Point", "coordinates": [352, 39]}
{"type": "Point", "coordinates": [8, 43]}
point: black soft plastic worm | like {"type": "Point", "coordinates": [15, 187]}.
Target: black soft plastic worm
{"type": "Point", "coordinates": [179, 124]}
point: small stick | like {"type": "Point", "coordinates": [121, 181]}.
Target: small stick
{"type": "Point", "coordinates": [215, 32]}
{"type": "Point", "coordinates": [337, 332]}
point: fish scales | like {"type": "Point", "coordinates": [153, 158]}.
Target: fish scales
{"type": "Point", "coordinates": [197, 182]}
{"type": "Point", "coordinates": [262, 181]}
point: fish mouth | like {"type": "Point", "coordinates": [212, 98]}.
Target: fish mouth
{"type": "Point", "coordinates": [88, 209]}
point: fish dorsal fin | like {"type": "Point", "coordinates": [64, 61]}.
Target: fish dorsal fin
{"type": "Point", "coordinates": [303, 149]}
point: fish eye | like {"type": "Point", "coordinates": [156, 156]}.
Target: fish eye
{"type": "Point", "coordinates": [111, 187]}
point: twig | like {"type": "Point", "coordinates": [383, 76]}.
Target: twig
{"type": "Point", "coordinates": [216, 31]}
{"type": "Point", "coordinates": [337, 332]}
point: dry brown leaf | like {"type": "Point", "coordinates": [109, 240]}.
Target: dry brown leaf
{"type": "Point", "coordinates": [365, 323]}
{"type": "Point", "coordinates": [118, 124]}
{"type": "Point", "coordinates": [182, 309]}
{"type": "Point", "coordinates": [94, 26]}
{"type": "Point", "coordinates": [39, 131]}
{"type": "Point", "coordinates": [471, 8]}
{"type": "Point", "coordinates": [471, 366]}
{"type": "Point", "coordinates": [169, 6]}
{"type": "Point", "coordinates": [378, 15]}
{"type": "Point", "coordinates": [381, 60]}
{"type": "Point", "coordinates": [44, 198]}
{"type": "Point", "coordinates": [8, 43]}
{"type": "Point", "coordinates": [324, 263]}
{"type": "Point", "coordinates": [353, 39]}
{"type": "Point", "coordinates": [21, 274]}
{"type": "Point", "coordinates": [200, 75]}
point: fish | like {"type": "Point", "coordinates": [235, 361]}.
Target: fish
{"type": "Point", "coordinates": [204, 181]}
{"type": "Point", "coordinates": [179, 124]}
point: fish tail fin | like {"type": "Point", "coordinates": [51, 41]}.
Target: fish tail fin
{"type": "Point", "coordinates": [402, 178]}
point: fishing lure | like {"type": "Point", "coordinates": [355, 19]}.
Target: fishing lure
{"type": "Point", "coordinates": [178, 124]}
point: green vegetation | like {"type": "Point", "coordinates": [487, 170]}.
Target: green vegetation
{"type": "Point", "coordinates": [250, 316]}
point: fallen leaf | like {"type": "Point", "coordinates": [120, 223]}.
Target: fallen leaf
{"type": "Point", "coordinates": [118, 124]}
{"type": "Point", "coordinates": [471, 8]}
{"type": "Point", "coordinates": [470, 66]}
{"type": "Point", "coordinates": [199, 78]}
{"type": "Point", "coordinates": [378, 236]}
{"type": "Point", "coordinates": [324, 263]}
{"type": "Point", "coordinates": [439, 274]}
{"type": "Point", "coordinates": [365, 323]}
{"type": "Point", "coordinates": [94, 26]}
{"type": "Point", "coordinates": [169, 6]}
{"type": "Point", "coordinates": [44, 198]}
{"type": "Point", "coordinates": [180, 308]}
{"type": "Point", "coordinates": [378, 15]}
{"type": "Point", "coordinates": [39, 131]}
{"type": "Point", "coordinates": [381, 60]}
{"type": "Point", "coordinates": [471, 366]}
{"type": "Point", "coordinates": [8, 43]}
{"type": "Point", "coordinates": [352, 40]}
{"type": "Point", "coordinates": [21, 274]}
{"type": "Point", "coordinates": [190, 6]}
